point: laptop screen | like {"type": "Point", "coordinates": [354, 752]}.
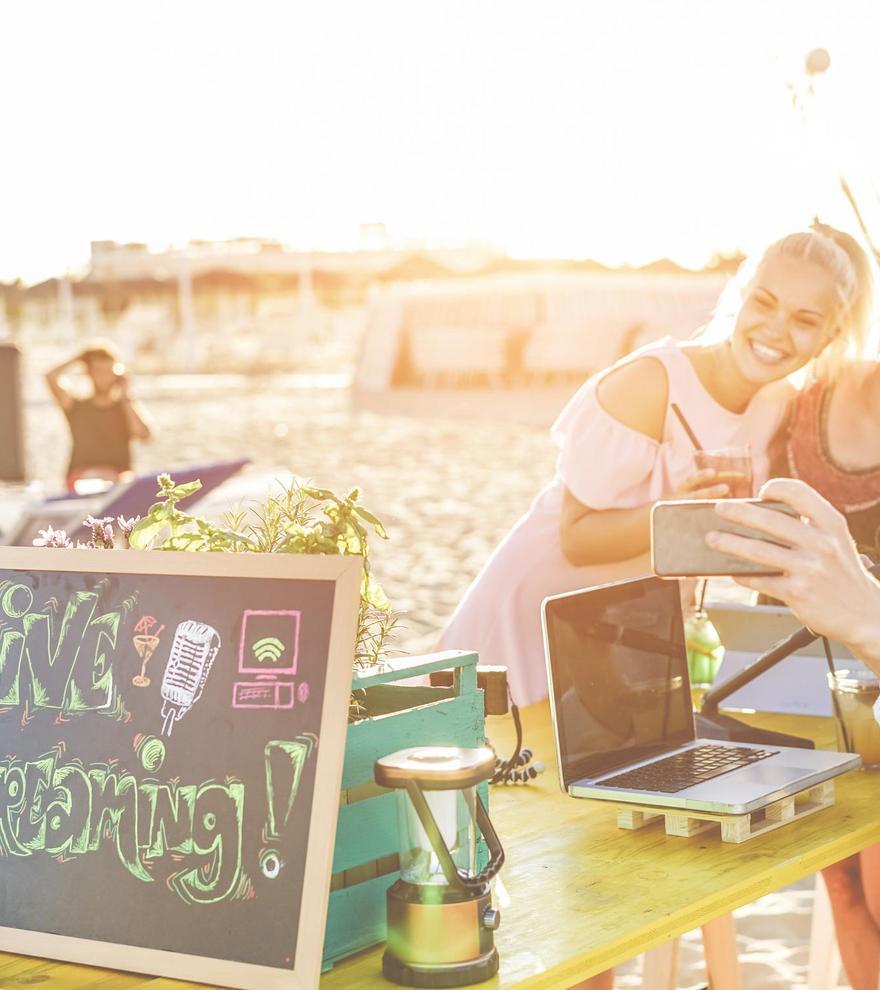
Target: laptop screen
{"type": "Point", "coordinates": [618, 670]}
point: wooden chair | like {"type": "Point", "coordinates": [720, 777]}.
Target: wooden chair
{"type": "Point", "coordinates": [719, 947]}
{"type": "Point", "coordinates": [719, 943]}
{"type": "Point", "coordinates": [824, 966]}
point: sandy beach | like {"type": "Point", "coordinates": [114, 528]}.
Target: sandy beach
{"type": "Point", "coordinates": [447, 489]}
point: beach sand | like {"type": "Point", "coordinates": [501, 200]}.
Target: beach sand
{"type": "Point", "coordinates": [447, 490]}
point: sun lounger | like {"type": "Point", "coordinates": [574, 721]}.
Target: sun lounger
{"type": "Point", "coordinates": [131, 498]}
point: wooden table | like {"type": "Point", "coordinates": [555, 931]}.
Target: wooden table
{"type": "Point", "coordinates": [577, 894]}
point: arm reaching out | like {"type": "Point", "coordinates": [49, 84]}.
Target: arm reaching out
{"type": "Point", "coordinates": [822, 579]}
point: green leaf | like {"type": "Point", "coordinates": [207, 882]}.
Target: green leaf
{"type": "Point", "coordinates": [184, 491]}
{"type": "Point", "coordinates": [372, 593]}
{"type": "Point", "coordinates": [145, 533]}
{"type": "Point", "coordinates": [320, 494]}
{"type": "Point", "coordinates": [372, 520]}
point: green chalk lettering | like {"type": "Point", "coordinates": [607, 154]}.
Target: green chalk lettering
{"type": "Point", "coordinates": [69, 662]}
{"type": "Point", "coordinates": [11, 647]}
{"type": "Point", "coordinates": [91, 685]}
{"type": "Point", "coordinates": [50, 666]}
{"type": "Point", "coordinates": [217, 832]}
{"type": "Point", "coordinates": [114, 815]}
{"type": "Point", "coordinates": [12, 789]}
{"type": "Point", "coordinates": [32, 822]}
{"type": "Point", "coordinates": [172, 820]}
{"type": "Point", "coordinates": [16, 601]}
{"type": "Point", "coordinates": [68, 812]}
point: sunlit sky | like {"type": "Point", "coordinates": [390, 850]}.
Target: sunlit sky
{"type": "Point", "coordinates": [622, 130]}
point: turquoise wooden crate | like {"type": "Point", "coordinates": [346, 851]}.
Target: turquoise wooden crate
{"type": "Point", "coordinates": [365, 860]}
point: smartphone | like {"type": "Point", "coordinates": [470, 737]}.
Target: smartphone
{"type": "Point", "coordinates": [678, 539]}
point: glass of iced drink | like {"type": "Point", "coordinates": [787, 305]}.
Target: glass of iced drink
{"type": "Point", "coordinates": [732, 466]}
{"type": "Point", "coordinates": [855, 693]}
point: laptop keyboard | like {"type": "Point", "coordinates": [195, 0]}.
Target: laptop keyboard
{"type": "Point", "coordinates": [686, 769]}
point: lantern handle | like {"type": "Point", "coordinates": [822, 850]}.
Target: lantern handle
{"type": "Point", "coordinates": [458, 879]}
{"type": "Point", "coordinates": [496, 850]}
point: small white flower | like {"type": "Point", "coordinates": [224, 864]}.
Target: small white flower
{"type": "Point", "coordinates": [52, 538]}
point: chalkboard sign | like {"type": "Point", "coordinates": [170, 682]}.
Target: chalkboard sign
{"type": "Point", "coordinates": [172, 729]}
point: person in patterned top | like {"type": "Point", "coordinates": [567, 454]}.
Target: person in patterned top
{"type": "Point", "coordinates": [832, 442]}
{"type": "Point", "coordinates": [833, 445]}
{"type": "Point", "coordinates": [832, 437]}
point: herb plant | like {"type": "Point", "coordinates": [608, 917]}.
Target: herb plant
{"type": "Point", "coordinates": [299, 519]}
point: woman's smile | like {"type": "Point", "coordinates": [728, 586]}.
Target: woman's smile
{"type": "Point", "coordinates": [767, 353]}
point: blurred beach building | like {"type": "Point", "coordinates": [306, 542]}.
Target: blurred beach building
{"type": "Point", "coordinates": [249, 303]}
{"type": "Point", "coordinates": [395, 318]}
{"type": "Point", "coordinates": [531, 335]}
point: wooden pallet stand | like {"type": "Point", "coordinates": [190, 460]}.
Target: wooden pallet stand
{"type": "Point", "coordinates": [734, 828]}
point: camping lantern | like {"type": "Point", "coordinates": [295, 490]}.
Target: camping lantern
{"type": "Point", "coordinates": [440, 914]}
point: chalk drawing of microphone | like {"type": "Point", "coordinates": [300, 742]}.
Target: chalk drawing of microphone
{"type": "Point", "coordinates": [189, 663]}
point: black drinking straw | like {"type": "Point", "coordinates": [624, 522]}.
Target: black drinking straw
{"type": "Point", "coordinates": [838, 714]}
{"type": "Point", "coordinates": [686, 426]}
{"type": "Point", "coordinates": [697, 446]}
{"type": "Point", "coordinates": [703, 594]}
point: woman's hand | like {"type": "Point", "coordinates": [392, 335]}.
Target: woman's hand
{"type": "Point", "coordinates": [703, 484]}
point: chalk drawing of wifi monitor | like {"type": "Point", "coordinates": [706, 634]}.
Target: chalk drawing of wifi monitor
{"type": "Point", "coordinates": [267, 659]}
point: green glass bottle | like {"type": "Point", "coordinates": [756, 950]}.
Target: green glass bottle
{"type": "Point", "coordinates": [705, 650]}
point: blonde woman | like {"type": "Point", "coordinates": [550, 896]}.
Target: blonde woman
{"type": "Point", "coordinates": [621, 448]}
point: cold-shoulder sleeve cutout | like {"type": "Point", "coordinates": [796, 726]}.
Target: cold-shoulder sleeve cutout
{"type": "Point", "coordinates": [602, 462]}
{"type": "Point", "coordinates": [635, 394]}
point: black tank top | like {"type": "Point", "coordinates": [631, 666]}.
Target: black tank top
{"type": "Point", "coordinates": [100, 436]}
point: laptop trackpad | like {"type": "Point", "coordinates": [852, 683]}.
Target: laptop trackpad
{"type": "Point", "coordinates": [779, 774]}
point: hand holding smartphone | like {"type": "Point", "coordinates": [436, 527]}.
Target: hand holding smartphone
{"type": "Point", "coordinates": [678, 539]}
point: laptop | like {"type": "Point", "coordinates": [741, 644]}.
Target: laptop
{"type": "Point", "coordinates": [622, 716]}
{"type": "Point", "coordinates": [797, 685]}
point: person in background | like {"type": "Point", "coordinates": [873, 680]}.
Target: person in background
{"type": "Point", "coordinates": [103, 424]}
{"type": "Point", "coordinates": [621, 446]}
{"type": "Point", "coordinates": [832, 442]}
{"type": "Point", "coordinates": [832, 437]}
{"type": "Point", "coordinates": [825, 582]}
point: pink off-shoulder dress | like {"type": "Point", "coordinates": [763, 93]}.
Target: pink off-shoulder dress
{"type": "Point", "coordinates": [605, 465]}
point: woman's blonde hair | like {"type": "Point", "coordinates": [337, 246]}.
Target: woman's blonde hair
{"type": "Point", "coordinates": [846, 261]}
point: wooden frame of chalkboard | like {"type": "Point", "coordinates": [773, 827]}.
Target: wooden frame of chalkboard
{"type": "Point", "coordinates": [218, 777]}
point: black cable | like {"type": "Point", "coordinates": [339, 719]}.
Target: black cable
{"type": "Point", "coordinates": [516, 770]}
{"type": "Point", "coordinates": [504, 768]}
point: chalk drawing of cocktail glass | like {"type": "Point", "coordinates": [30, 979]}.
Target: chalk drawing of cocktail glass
{"type": "Point", "coordinates": [145, 644]}
{"type": "Point", "coordinates": [189, 663]}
